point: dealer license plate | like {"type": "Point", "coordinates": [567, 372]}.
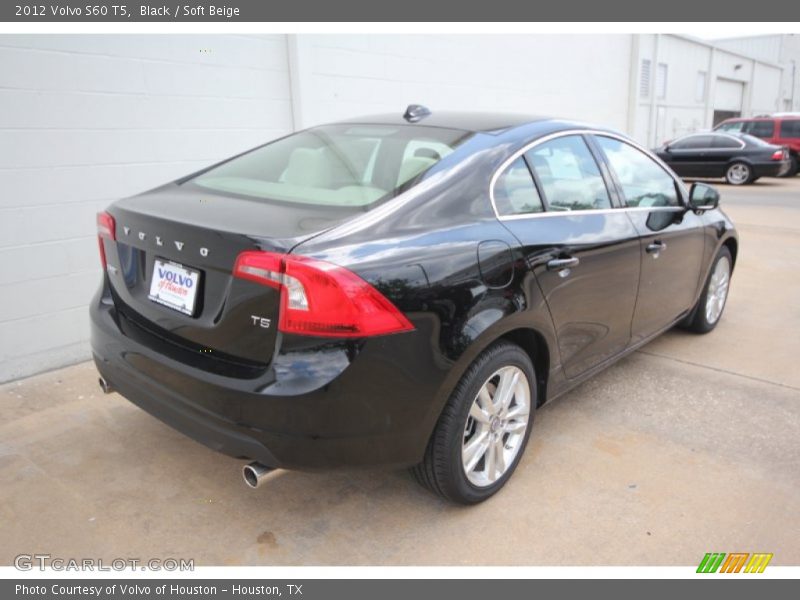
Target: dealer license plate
{"type": "Point", "coordinates": [174, 286]}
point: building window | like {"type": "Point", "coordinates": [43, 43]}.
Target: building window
{"type": "Point", "coordinates": [700, 89]}
{"type": "Point", "coordinates": [661, 81]}
{"type": "Point", "coordinates": [644, 79]}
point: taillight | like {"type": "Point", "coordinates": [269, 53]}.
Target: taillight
{"type": "Point", "coordinates": [778, 155]}
{"type": "Point", "coordinates": [105, 230]}
{"type": "Point", "coordinates": [321, 299]}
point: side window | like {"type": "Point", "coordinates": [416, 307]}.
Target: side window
{"type": "Point", "coordinates": [515, 192]}
{"type": "Point", "coordinates": [692, 142]}
{"type": "Point", "coordinates": [724, 141]}
{"type": "Point", "coordinates": [790, 129]}
{"type": "Point", "coordinates": [569, 175]}
{"type": "Point", "coordinates": [735, 126]}
{"type": "Point", "coordinates": [762, 129]}
{"type": "Point", "coordinates": [643, 181]}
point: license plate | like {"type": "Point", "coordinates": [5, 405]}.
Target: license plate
{"type": "Point", "coordinates": [174, 286]}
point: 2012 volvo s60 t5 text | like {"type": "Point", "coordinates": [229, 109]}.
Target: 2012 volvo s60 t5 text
{"type": "Point", "coordinates": [400, 290]}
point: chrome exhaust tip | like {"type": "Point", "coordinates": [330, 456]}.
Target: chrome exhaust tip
{"type": "Point", "coordinates": [255, 474]}
{"type": "Point", "coordinates": [106, 387]}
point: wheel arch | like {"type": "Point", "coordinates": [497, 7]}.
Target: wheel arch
{"type": "Point", "coordinates": [535, 346]}
{"type": "Point", "coordinates": [733, 247]}
{"type": "Point", "coordinates": [533, 342]}
{"type": "Point", "coordinates": [740, 159]}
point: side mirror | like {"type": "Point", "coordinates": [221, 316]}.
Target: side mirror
{"type": "Point", "coordinates": [703, 197]}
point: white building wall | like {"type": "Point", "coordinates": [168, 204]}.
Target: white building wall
{"type": "Point", "coordinates": [86, 119]}
{"type": "Point", "coordinates": [580, 76]}
{"type": "Point", "coordinates": [783, 49]}
{"type": "Point", "coordinates": [755, 85]}
{"type": "Point", "coordinates": [679, 111]}
{"type": "Point", "coordinates": [764, 47]}
{"type": "Point", "coordinates": [766, 80]}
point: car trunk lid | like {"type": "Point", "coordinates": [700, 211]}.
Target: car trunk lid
{"type": "Point", "coordinates": [180, 240]}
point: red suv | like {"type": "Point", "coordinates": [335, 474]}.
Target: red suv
{"type": "Point", "coordinates": [779, 129]}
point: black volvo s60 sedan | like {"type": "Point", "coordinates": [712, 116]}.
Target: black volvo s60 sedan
{"type": "Point", "coordinates": [400, 291]}
{"type": "Point", "coordinates": [738, 157]}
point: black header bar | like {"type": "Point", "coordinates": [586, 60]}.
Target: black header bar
{"type": "Point", "coordinates": [398, 11]}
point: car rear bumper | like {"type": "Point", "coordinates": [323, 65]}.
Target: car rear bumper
{"type": "Point", "coordinates": [378, 409]}
{"type": "Point", "coordinates": [771, 169]}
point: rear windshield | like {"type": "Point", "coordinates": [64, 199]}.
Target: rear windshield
{"type": "Point", "coordinates": [751, 139]}
{"type": "Point", "coordinates": [335, 165]}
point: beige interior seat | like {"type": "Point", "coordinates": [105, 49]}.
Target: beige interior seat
{"type": "Point", "coordinates": [308, 167]}
{"type": "Point", "coordinates": [412, 167]}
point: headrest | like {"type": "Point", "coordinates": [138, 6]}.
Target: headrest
{"type": "Point", "coordinates": [412, 167]}
{"type": "Point", "coordinates": [308, 167]}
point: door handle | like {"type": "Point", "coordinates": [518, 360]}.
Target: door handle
{"type": "Point", "coordinates": [656, 247]}
{"type": "Point", "coordinates": [559, 264]}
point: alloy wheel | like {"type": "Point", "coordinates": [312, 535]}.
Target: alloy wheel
{"type": "Point", "coordinates": [738, 174]}
{"type": "Point", "coordinates": [718, 290]}
{"type": "Point", "coordinates": [495, 429]}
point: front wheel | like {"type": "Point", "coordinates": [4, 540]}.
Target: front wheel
{"type": "Point", "coordinates": [739, 173]}
{"type": "Point", "coordinates": [482, 431]}
{"type": "Point", "coordinates": [709, 307]}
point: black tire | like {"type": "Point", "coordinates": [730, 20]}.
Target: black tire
{"type": "Point", "coordinates": [697, 320]}
{"type": "Point", "coordinates": [441, 469]}
{"type": "Point", "coordinates": [739, 173]}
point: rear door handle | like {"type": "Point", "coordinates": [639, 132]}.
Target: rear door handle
{"type": "Point", "coordinates": [656, 247]}
{"type": "Point", "coordinates": [558, 264]}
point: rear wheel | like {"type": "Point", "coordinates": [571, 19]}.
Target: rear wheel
{"type": "Point", "coordinates": [739, 173]}
{"type": "Point", "coordinates": [709, 307]}
{"type": "Point", "coordinates": [482, 431]}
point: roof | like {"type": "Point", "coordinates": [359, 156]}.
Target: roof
{"type": "Point", "coordinates": [467, 121]}
{"type": "Point", "coordinates": [772, 117]}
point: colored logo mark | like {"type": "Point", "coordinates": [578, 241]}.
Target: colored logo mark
{"type": "Point", "coordinates": [734, 562]}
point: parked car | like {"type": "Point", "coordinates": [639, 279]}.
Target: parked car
{"type": "Point", "coordinates": [400, 291]}
{"type": "Point", "coordinates": [738, 157]}
{"type": "Point", "coordinates": [781, 129]}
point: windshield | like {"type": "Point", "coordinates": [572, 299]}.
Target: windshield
{"type": "Point", "coordinates": [335, 165]}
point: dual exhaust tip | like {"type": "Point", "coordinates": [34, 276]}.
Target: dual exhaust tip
{"type": "Point", "coordinates": [254, 473]}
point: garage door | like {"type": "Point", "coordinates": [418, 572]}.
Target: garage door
{"type": "Point", "coordinates": [728, 95]}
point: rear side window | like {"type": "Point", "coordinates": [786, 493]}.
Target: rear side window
{"type": "Point", "coordinates": [790, 129]}
{"type": "Point", "coordinates": [515, 192]}
{"type": "Point", "coordinates": [569, 176]}
{"type": "Point", "coordinates": [754, 141]}
{"type": "Point", "coordinates": [335, 165]}
{"type": "Point", "coordinates": [692, 142]}
{"type": "Point", "coordinates": [762, 129]}
{"type": "Point", "coordinates": [724, 141]}
{"type": "Point", "coordinates": [644, 183]}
